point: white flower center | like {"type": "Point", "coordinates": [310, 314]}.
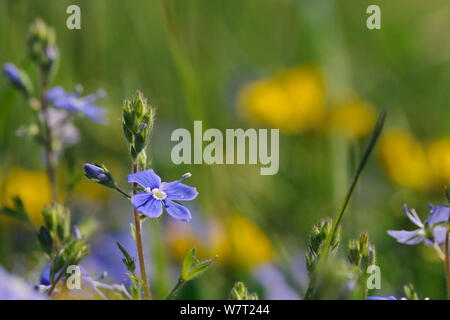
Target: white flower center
{"type": "Point", "coordinates": [159, 194]}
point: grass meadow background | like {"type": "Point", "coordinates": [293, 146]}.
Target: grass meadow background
{"type": "Point", "coordinates": [205, 60]}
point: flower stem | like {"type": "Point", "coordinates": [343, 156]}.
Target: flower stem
{"type": "Point", "coordinates": [172, 292]}
{"type": "Point", "coordinates": [55, 282]}
{"type": "Point", "coordinates": [122, 192]}
{"type": "Point", "coordinates": [324, 255]}
{"type": "Point", "coordinates": [48, 148]}
{"type": "Point", "coordinates": [138, 224]}
{"type": "Point", "coordinates": [373, 141]}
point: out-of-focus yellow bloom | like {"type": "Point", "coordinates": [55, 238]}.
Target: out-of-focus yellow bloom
{"type": "Point", "coordinates": [438, 152]}
{"type": "Point", "coordinates": [249, 245]}
{"type": "Point", "coordinates": [404, 159]}
{"type": "Point", "coordinates": [220, 244]}
{"type": "Point", "coordinates": [32, 187]}
{"type": "Point", "coordinates": [237, 242]}
{"type": "Point", "coordinates": [353, 118]}
{"type": "Point", "coordinates": [88, 189]}
{"type": "Point", "coordinates": [180, 240]}
{"type": "Point", "coordinates": [293, 100]}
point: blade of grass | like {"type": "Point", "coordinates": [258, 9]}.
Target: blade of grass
{"type": "Point", "coordinates": [373, 140]}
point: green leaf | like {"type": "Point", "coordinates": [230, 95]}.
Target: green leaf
{"type": "Point", "coordinates": [133, 231]}
{"type": "Point", "coordinates": [187, 263]}
{"type": "Point", "coordinates": [17, 212]}
{"type": "Point", "coordinates": [128, 261]}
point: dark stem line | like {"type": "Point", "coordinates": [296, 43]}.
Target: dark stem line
{"type": "Point", "coordinates": [174, 290]}
{"type": "Point", "coordinates": [138, 224]}
{"type": "Point", "coordinates": [55, 282]}
{"type": "Point", "coordinates": [373, 140]}
{"type": "Point", "coordinates": [122, 192]}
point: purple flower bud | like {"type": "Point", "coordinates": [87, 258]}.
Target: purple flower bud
{"type": "Point", "coordinates": [13, 74]}
{"type": "Point", "coordinates": [96, 173]}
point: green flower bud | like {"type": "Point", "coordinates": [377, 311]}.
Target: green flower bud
{"type": "Point", "coordinates": [354, 254]}
{"type": "Point", "coordinates": [317, 240]}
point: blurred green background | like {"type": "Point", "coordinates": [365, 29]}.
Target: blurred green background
{"type": "Point", "coordinates": [224, 62]}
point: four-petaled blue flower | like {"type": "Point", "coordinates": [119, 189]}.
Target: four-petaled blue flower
{"type": "Point", "coordinates": [428, 232]}
{"type": "Point", "coordinates": [156, 194]}
{"type": "Point", "coordinates": [73, 103]}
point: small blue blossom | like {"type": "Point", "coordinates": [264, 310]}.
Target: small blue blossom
{"type": "Point", "coordinates": [381, 298]}
{"type": "Point", "coordinates": [156, 194]}
{"type": "Point", "coordinates": [73, 103]}
{"type": "Point", "coordinates": [428, 232]}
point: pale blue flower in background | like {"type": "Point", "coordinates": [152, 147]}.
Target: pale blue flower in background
{"type": "Point", "coordinates": [14, 288]}
{"type": "Point", "coordinates": [71, 102]}
{"type": "Point", "coordinates": [428, 232]}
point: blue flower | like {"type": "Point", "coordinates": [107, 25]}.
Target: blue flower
{"type": "Point", "coordinates": [381, 298]}
{"type": "Point", "coordinates": [73, 103]}
{"type": "Point", "coordinates": [428, 232]}
{"type": "Point", "coordinates": [156, 194]}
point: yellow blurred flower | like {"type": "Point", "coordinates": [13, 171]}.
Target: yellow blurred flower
{"type": "Point", "coordinates": [238, 242]}
{"type": "Point", "coordinates": [438, 152]}
{"type": "Point", "coordinates": [293, 100]}
{"type": "Point", "coordinates": [249, 244]}
{"type": "Point", "coordinates": [353, 118]}
{"type": "Point", "coordinates": [32, 187]}
{"type": "Point", "coordinates": [180, 240]}
{"type": "Point", "coordinates": [404, 159]}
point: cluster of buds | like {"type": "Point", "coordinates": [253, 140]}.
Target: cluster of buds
{"type": "Point", "coordinates": [63, 246]}
{"type": "Point", "coordinates": [240, 292]}
{"type": "Point", "coordinates": [42, 45]}
{"type": "Point", "coordinates": [317, 240]}
{"type": "Point", "coordinates": [138, 117]}
{"type": "Point", "coordinates": [361, 253]}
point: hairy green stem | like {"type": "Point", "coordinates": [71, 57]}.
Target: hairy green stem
{"type": "Point", "coordinates": [55, 282]}
{"type": "Point", "coordinates": [172, 292]}
{"type": "Point", "coordinates": [138, 224]}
